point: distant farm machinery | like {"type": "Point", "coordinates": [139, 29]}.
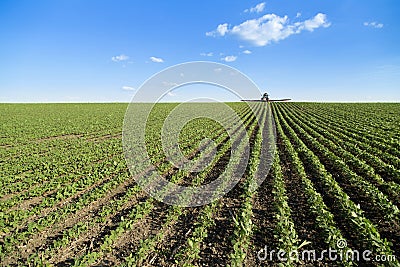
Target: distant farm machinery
{"type": "Point", "coordinates": [265, 98]}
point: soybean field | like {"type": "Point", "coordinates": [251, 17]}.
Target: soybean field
{"type": "Point", "coordinates": [67, 197]}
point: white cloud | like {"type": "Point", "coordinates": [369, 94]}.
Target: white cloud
{"type": "Point", "coordinates": [298, 15]}
{"type": "Point", "coordinates": [171, 93]}
{"type": "Point", "coordinates": [121, 57]}
{"type": "Point", "coordinates": [373, 24]}
{"type": "Point", "coordinates": [229, 58]}
{"type": "Point", "coordinates": [257, 9]}
{"type": "Point", "coordinates": [248, 52]}
{"type": "Point", "coordinates": [157, 59]}
{"type": "Point", "coordinates": [319, 20]}
{"type": "Point", "coordinates": [210, 54]}
{"type": "Point", "coordinates": [169, 84]}
{"type": "Point", "coordinates": [273, 28]}
{"type": "Point", "coordinates": [221, 30]}
{"type": "Point", "coordinates": [128, 88]}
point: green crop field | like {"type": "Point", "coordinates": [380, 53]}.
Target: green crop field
{"type": "Point", "coordinates": [67, 197]}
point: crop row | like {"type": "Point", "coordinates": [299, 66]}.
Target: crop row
{"type": "Point", "coordinates": [351, 160]}
{"type": "Point", "coordinates": [146, 246]}
{"type": "Point", "coordinates": [363, 132]}
{"type": "Point", "coordinates": [73, 207]}
{"type": "Point", "coordinates": [352, 213]}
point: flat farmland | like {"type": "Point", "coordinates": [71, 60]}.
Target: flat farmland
{"type": "Point", "coordinates": [67, 197]}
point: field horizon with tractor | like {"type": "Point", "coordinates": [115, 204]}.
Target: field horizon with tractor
{"type": "Point", "coordinates": [68, 199]}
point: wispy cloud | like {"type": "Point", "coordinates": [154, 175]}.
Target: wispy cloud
{"type": "Point", "coordinates": [248, 52]}
{"type": "Point", "coordinates": [221, 30]}
{"type": "Point", "coordinates": [271, 28]}
{"type": "Point", "coordinates": [373, 24]}
{"type": "Point", "coordinates": [171, 93]}
{"type": "Point", "coordinates": [121, 57]}
{"type": "Point", "coordinates": [229, 58]}
{"type": "Point", "coordinates": [257, 9]}
{"type": "Point", "coordinates": [210, 54]}
{"type": "Point", "coordinates": [128, 88]}
{"type": "Point", "coordinates": [157, 59]}
{"type": "Point", "coordinates": [169, 84]}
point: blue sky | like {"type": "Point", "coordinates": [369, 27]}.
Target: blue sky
{"type": "Point", "coordinates": [102, 51]}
